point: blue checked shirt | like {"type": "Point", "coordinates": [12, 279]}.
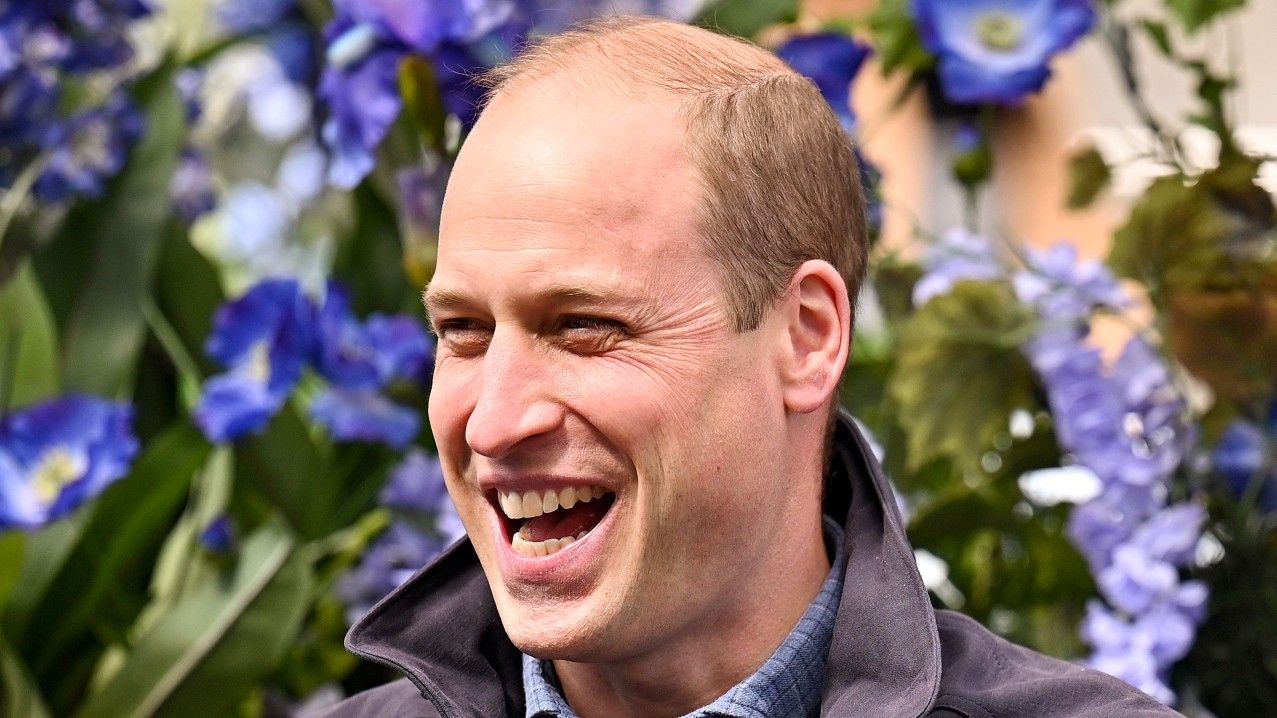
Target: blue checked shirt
{"type": "Point", "coordinates": [787, 685]}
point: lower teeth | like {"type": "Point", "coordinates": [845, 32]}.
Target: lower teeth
{"type": "Point", "coordinates": [525, 547]}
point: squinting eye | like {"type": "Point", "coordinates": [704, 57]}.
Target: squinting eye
{"type": "Point", "coordinates": [463, 335]}
{"type": "Point", "coordinates": [578, 322]}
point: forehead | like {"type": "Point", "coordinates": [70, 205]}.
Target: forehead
{"type": "Point", "coordinates": [562, 182]}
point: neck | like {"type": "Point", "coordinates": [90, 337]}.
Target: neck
{"type": "Point", "coordinates": [718, 652]}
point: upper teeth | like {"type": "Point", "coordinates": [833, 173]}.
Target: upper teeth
{"type": "Point", "coordinates": [527, 504]}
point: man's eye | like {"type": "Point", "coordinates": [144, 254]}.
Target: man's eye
{"type": "Point", "coordinates": [587, 323]}
{"type": "Point", "coordinates": [463, 335]}
{"type": "Point", "coordinates": [589, 335]}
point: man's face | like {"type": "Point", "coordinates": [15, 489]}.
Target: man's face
{"type": "Point", "coordinates": [585, 344]}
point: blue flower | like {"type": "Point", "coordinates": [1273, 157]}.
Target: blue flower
{"type": "Point", "coordinates": [416, 485]}
{"type": "Point", "coordinates": [1127, 651]}
{"type": "Point", "coordinates": [1134, 580]}
{"type": "Point", "coordinates": [191, 188]}
{"type": "Point", "coordinates": [959, 255]}
{"type": "Point", "coordinates": [831, 60]}
{"type": "Point", "coordinates": [366, 41]}
{"type": "Point", "coordinates": [265, 338]}
{"type": "Point", "coordinates": [1242, 457]}
{"type": "Point", "coordinates": [218, 535]}
{"type": "Point", "coordinates": [1065, 289]}
{"type": "Point", "coordinates": [998, 51]}
{"type": "Point", "coordinates": [399, 553]}
{"type": "Point", "coordinates": [364, 415]}
{"type": "Point", "coordinates": [362, 102]}
{"type": "Point", "coordinates": [371, 354]}
{"type": "Point", "coordinates": [1096, 528]}
{"type": "Point", "coordinates": [1171, 535]}
{"type": "Point", "coordinates": [252, 15]}
{"type": "Point", "coordinates": [56, 455]}
{"type": "Point", "coordinates": [88, 149]}
{"type": "Point", "coordinates": [360, 359]}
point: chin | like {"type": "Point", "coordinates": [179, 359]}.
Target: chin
{"type": "Point", "coordinates": [558, 633]}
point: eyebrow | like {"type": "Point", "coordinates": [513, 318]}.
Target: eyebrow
{"type": "Point", "coordinates": [440, 299]}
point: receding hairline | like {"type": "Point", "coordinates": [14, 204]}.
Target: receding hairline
{"type": "Point", "coordinates": [639, 53]}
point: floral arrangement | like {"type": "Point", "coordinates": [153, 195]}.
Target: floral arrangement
{"type": "Point", "coordinates": [215, 221]}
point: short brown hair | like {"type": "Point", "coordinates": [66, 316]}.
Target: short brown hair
{"type": "Point", "coordinates": [780, 177]}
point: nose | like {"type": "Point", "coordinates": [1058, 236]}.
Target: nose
{"type": "Point", "coordinates": [514, 402]}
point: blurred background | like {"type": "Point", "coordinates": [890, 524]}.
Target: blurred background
{"type": "Point", "coordinates": [216, 217]}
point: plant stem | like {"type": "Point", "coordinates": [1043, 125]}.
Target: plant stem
{"type": "Point", "coordinates": [12, 200]}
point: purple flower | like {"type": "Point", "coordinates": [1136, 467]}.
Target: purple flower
{"type": "Point", "coordinates": [88, 149]}
{"type": "Point", "coordinates": [252, 15]}
{"type": "Point", "coordinates": [361, 358]}
{"type": "Point", "coordinates": [1241, 456]}
{"type": "Point", "coordinates": [364, 415]}
{"type": "Point", "coordinates": [1135, 581]}
{"type": "Point", "coordinates": [1064, 289]}
{"type": "Point", "coordinates": [416, 484]}
{"type": "Point", "coordinates": [1129, 651]}
{"type": "Point", "coordinates": [371, 354]}
{"type": "Point", "coordinates": [959, 255]}
{"type": "Point", "coordinates": [1171, 534]}
{"type": "Point", "coordinates": [56, 455]}
{"type": "Point", "coordinates": [416, 487]}
{"type": "Point", "coordinates": [831, 60]}
{"type": "Point", "coordinates": [1096, 528]}
{"type": "Point", "coordinates": [998, 51]}
{"type": "Point", "coordinates": [366, 40]}
{"type": "Point", "coordinates": [264, 337]}
{"type": "Point", "coordinates": [362, 102]}
{"type": "Point", "coordinates": [399, 553]}
{"type": "Point", "coordinates": [218, 535]}
{"type": "Point", "coordinates": [191, 189]}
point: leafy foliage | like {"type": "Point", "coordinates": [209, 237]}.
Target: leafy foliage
{"type": "Point", "coordinates": [1088, 176]}
{"type": "Point", "coordinates": [745, 17]}
{"type": "Point", "coordinates": [1196, 14]}
{"type": "Point", "coordinates": [950, 404]}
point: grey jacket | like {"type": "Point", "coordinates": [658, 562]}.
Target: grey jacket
{"type": "Point", "coordinates": [892, 654]}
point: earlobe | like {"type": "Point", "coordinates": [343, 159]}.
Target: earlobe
{"type": "Point", "coordinates": [817, 313]}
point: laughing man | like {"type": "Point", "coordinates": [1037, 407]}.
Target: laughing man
{"type": "Point", "coordinates": [648, 247]}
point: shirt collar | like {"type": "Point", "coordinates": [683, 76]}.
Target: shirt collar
{"type": "Point", "coordinates": [787, 684]}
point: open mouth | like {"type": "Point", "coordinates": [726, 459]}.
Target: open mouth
{"type": "Point", "coordinates": [541, 523]}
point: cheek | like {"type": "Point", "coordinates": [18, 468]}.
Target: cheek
{"type": "Point", "coordinates": [452, 396]}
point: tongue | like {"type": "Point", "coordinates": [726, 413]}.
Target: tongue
{"type": "Point", "coordinates": [566, 522]}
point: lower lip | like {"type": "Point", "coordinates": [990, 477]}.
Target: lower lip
{"type": "Point", "coordinates": [565, 566]}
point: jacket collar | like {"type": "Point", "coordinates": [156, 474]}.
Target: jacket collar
{"type": "Point", "coordinates": [441, 627]}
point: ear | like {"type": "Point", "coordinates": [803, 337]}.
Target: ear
{"type": "Point", "coordinates": [817, 338]}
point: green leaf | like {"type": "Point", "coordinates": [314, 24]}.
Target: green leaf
{"type": "Point", "coordinates": [217, 643]}
{"type": "Point", "coordinates": [1088, 176]}
{"type": "Point", "coordinates": [12, 549]}
{"type": "Point", "coordinates": [121, 233]}
{"type": "Point", "coordinates": [1195, 14]}
{"type": "Point", "coordinates": [895, 38]}
{"type": "Point", "coordinates": [102, 584]}
{"type": "Point", "coordinates": [745, 17]}
{"type": "Point", "coordinates": [187, 294]}
{"type": "Point", "coordinates": [1215, 232]}
{"type": "Point", "coordinates": [28, 343]}
{"type": "Point", "coordinates": [960, 373]}
{"type": "Point", "coordinates": [286, 467]}
{"type": "Point", "coordinates": [19, 696]}
{"type": "Point", "coordinates": [44, 552]}
{"type": "Point", "coordinates": [1160, 36]}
